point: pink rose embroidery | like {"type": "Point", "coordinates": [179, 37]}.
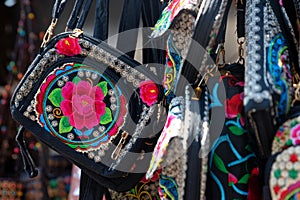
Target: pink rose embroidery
{"type": "Point", "coordinates": [295, 134]}
{"type": "Point", "coordinates": [83, 104]}
{"type": "Point", "coordinates": [68, 46]}
{"type": "Point", "coordinates": [148, 92]}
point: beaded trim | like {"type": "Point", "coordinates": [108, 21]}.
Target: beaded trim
{"type": "Point", "coordinates": [90, 51]}
{"type": "Point", "coordinates": [145, 116]}
{"type": "Point", "coordinates": [205, 141]}
{"type": "Point", "coordinates": [257, 72]}
{"type": "Point", "coordinates": [284, 175]}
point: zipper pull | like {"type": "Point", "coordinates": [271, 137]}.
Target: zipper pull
{"type": "Point", "coordinates": [118, 149]}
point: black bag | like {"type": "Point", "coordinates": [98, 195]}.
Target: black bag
{"type": "Point", "coordinates": [90, 103]}
{"type": "Point", "coordinates": [271, 62]}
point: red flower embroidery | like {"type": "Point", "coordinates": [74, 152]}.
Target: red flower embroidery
{"type": "Point", "coordinates": [232, 179]}
{"type": "Point", "coordinates": [234, 106]}
{"type": "Point", "coordinates": [83, 104]}
{"type": "Point", "coordinates": [148, 92]}
{"type": "Point", "coordinates": [295, 134]}
{"type": "Point", "coordinates": [154, 178]}
{"type": "Point", "coordinates": [68, 46]}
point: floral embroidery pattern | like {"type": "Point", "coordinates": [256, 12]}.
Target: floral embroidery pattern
{"type": "Point", "coordinates": [68, 46]}
{"type": "Point", "coordinates": [295, 134]}
{"type": "Point", "coordinates": [229, 173]}
{"type": "Point", "coordinates": [82, 104]}
{"type": "Point", "coordinates": [149, 92]}
{"type": "Point", "coordinates": [145, 189]}
{"type": "Point", "coordinates": [288, 134]}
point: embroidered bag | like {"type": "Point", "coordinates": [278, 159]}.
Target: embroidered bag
{"type": "Point", "coordinates": [283, 168]}
{"type": "Point", "coordinates": [89, 102]}
{"type": "Point", "coordinates": [271, 61]}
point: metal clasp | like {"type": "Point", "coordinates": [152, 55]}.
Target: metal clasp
{"type": "Point", "coordinates": [118, 148]}
{"type": "Point", "coordinates": [49, 33]}
{"type": "Point", "coordinates": [220, 52]}
{"type": "Point", "coordinates": [240, 42]}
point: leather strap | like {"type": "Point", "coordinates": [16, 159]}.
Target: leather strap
{"type": "Point", "coordinates": [84, 13]}
{"type": "Point", "coordinates": [130, 20]}
{"type": "Point", "coordinates": [58, 7]}
{"type": "Point", "coordinates": [74, 14]}
{"type": "Point", "coordinates": [101, 20]}
{"type": "Point", "coordinates": [240, 25]}
{"type": "Point", "coordinates": [222, 31]}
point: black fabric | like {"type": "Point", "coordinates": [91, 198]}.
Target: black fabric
{"type": "Point", "coordinates": [241, 5]}
{"type": "Point", "coordinates": [191, 65]}
{"type": "Point", "coordinates": [84, 13]}
{"type": "Point", "coordinates": [90, 189]}
{"type": "Point", "coordinates": [149, 11]}
{"type": "Point", "coordinates": [29, 165]}
{"type": "Point", "coordinates": [222, 33]}
{"type": "Point", "coordinates": [231, 157]}
{"type": "Point", "coordinates": [74, 16]}
{"type": "Point", "coordinates": [130, 20]}
{"type": "Point", "coordinates": [101, 20]}
{"type": "Point", "coordinates": [153, 52]}
{"type": "Point", "coordinates": [58, 8]}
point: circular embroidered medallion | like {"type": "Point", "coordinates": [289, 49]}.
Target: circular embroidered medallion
{"type": "Point", "coordinates": [81, 106]}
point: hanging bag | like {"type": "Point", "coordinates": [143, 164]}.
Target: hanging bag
{"type": "Point", "coordinates": [271, 61]}
{"type": "Point", "coordinates": [89, 102]}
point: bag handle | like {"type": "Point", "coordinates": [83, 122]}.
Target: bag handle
{"type": "Point", "coordinates": [71, 24]}
{"type": "Point", "coordinates": [58, 8]}
{"type": "Point", "coordinates": [240, 25]}
{"type": "Point", "coordinates": [78, 17]}
{"type": "Point", "coordinates": [101, 20]}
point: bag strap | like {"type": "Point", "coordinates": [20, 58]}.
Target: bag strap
{"type": "Point", "coordinates": [58, 8]}
{"type": "Point", "coordinates": [130, 20]}
{"type": "Point", "coordinates": [197, 56]}
{"type": "Point", "coordinates": [74, 14]}
{"type": "Point", "coordinates": [78, 17]}
{"type": "Point", "coordinates": [29, 165]}
{"type": "Point", "coordinates": [101, 20]}
{"type": "Point", "coordinates": [240, 25]}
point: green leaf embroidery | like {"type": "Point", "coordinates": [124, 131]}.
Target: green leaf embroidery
{"type": "Point", "coordinates": [73, 146]}
{"type": "Point", "coordinates": [107, 117]}
{"type": "Point", "coordinates": [85, 146]}
{"type": "Point", "coordinates": [56, 97]}
{"type": "Point", "coordinates": [76, 80]}
{"type": "Point", "coordinates": [219, 163]}
{"type": "Point", "coordinates": [236, 130]}
{"type": "Point", "coordinates": [64, 125]}
{"type": "Point", "coordinates": [248, 148]}
{"type": "Point", "coordinates": [77, 65]}
{"type": "Point", "coordinates": [103, 86]}
{"type": "Point", "coordinates": [244, 179]}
